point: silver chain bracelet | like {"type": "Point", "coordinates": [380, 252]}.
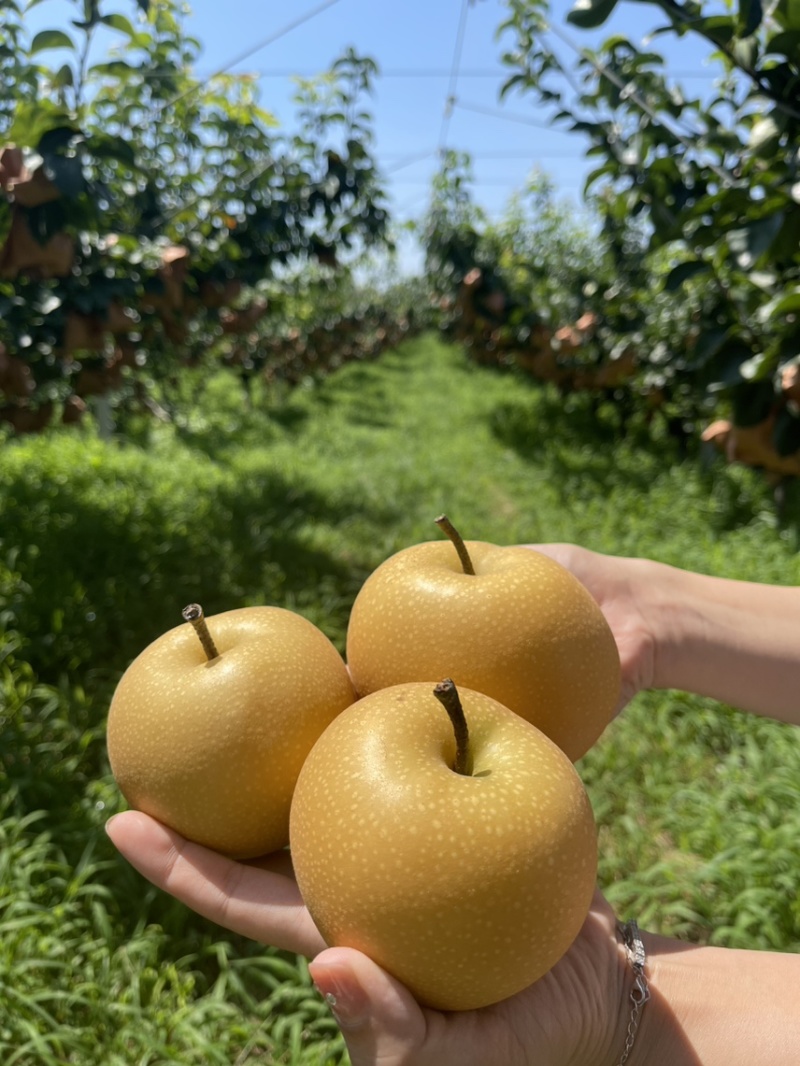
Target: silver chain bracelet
{"type": "Point", "coordinates": [640, 993]}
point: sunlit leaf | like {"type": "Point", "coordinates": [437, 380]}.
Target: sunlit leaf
{"type": "Point", "coordinates": [787, 14]}
{"type": "Point", "coordinates": [120, 23]}
{"type": "Point", "coordinates": [764, 135]}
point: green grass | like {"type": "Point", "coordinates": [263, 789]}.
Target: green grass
{"type": "Point", "coordinates": [294, 501]}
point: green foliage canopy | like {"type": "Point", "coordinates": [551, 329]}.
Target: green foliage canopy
{"type": "Point", "coordinates": [715, 183]}
{"type": "Point", "coordinates": [114, 167]}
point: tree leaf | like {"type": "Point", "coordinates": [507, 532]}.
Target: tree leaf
{"type": "Point", "coordinates": [764, 136]}
{"type": "Point", "coordinates": [708, 344]}
{"type": "Point", "coordinates": [750, 242]}
{"type": "Point", "coordinates": [114, 68]}
{"type": "Point", "coordinates": [786, 304]}
{"type": "Point", "coordinates": [50, 39]}
{"type": "Point", "coordinates": [682, 272]}
{"type": "Point", "coordinates": [112, 147]}
{"type": "Point", "coordinates": [717, 28]}
{"type": "Point", "coordinates": [66, 172]}
{"type": "Point", "coordinates": [57, 139]}
{"type": "Point", "coordinates": [91, 14]}
{"type": "Point", "coordinates": [588, 14]}
{"type": "Point", "coordinates": [745, 52]}
{"type": "Point", "coordinates": [787, 14]}
{"type": "Point", "coordinates": [786, 43]}
{"type": "Point", "coordinates": [63, 77]}
{"type": "Point", "coordinates": [786, 434]}
{"type": "Point", "coordinates": [752, 401]}
{"type": "Point", "coordinates": [750, 17]}
{"type": "Point", "coordinates": [119, 22]}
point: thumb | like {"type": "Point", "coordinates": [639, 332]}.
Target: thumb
{"type": "Point", "coordinates": [561, 552]}
{"type": "Point", "coordinates": [379, 1018]}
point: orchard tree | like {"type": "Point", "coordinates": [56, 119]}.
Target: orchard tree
{"type": "Point", "coordinates": [538, 289]}
{"type": "Point", "coordinates": [143, 206]}
{"type": "Point", "coordinates": [715, 187]}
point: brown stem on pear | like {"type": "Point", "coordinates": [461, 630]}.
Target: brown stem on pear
{"type": "Point", "coordinates": [447, 694]}
{"type": "Point", "coordinates": [194, 614]}
{"type": "Point", "coordinates": [446, 526]}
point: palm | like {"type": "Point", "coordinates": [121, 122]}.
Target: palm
{"type": "Point", "coordinates": [259, 899]}
{"type": "Point", "coordinates": [562, 1012]}
{"type": "Point", "coordinates": [610, 581]}
{"type": "Point", "coordinates": [565, 1017]}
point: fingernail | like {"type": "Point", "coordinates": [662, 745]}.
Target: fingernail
{"type": "Point", "coordinates": [345, 999]}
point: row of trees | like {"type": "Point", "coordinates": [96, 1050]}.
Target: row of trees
{"type": "Point", "coordinates": [150, 221]}
{"type": "Point", "coordinates": [689, 298]}
{"type": "Point", "coordinates": [142, 210]}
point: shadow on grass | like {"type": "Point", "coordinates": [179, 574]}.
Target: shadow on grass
{"type": "Point", "coordinates": [105, 569]}
{"type": "Point", "coordinates": [217, 437]}
{"type": "Point", "coordinates": [581, 443]}
{"type": "Point", "coordinates": [289, 417]}
{"type": "Point", "coordinates": [359, 393]}
{"type": "Point", "coordinates": [594, 444]}
{"type": "Point", "coordinates": [740, 495]}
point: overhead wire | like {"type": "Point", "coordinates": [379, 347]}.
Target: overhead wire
{"type": "Point", "coordinates": [262, 166]}
{"type": "Point", "coordinates": [409, 160]}
{"type": "Point", "coordinates": [453, 82]}
{"type": "Point", "coordinates": [421, 156]}
{"type": "Point", "coordinates": [389, 73]}
{"type": "Point", "coordinates": [453, 74]}
{"type": "Point", "coordinates": [496, 112]}
{"type": "Point", "coordinates": [265, 42]}
{"type": "Point", "coordinates": [629, 90]}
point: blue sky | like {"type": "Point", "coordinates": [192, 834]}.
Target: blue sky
{"type": "Point", "coordinates": [415, 45]}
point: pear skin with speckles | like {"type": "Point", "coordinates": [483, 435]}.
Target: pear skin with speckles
{"type": "Point", "coordinates": [466, 888]}
{"type": "Point", "coordinates": [213, 747]}
{"type": "Point", "coordinates": [522, 629]}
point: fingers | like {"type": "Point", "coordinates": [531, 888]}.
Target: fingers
{"type": "Point", "coordinates": [558, 551]}
{"type": "Point", "coordinates": [261, 903]}
{"type": "Point", "coordinates": [580, 561]}
{"type": "Point", "coordinates": [383, 1024]}
{"type": "Point", "coordinates": [380, 1020]}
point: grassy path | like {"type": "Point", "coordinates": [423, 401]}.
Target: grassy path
{"type": "Point", "coordinates": [424, 431]}
{"type": "Point", "coordinates": [294, 502]}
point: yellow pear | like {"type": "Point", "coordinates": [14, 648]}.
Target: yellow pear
{"type": "Point", "coordinates": [507, 621]}
{"type": "Point", "coordinates": [208, 735]}
{"type": "Point", "coordinates": [461, 856]}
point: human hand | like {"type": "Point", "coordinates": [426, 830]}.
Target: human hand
{"type": "Point", "coordinates": [621, 587]}
{"type": "Point", "coordinates": [572, 1015]}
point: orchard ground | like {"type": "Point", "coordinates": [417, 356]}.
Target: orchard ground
{"type": "Point", "coordinates": [293, 500]}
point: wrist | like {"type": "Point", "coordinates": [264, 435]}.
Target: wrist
{"type": "Point", "coordinates": [716, 1006]}
{"type": "Point", "coordinates": [673, 621]}
{"type": "Point", "coordinates": [733, 641]}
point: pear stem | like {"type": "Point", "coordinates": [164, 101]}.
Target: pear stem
{"type": "Point", "coordinates": [194, 614]}
{"type": "Point", "coordinates": [447, 694]}
{"type": "Point", "coordinates": [446, 526]}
